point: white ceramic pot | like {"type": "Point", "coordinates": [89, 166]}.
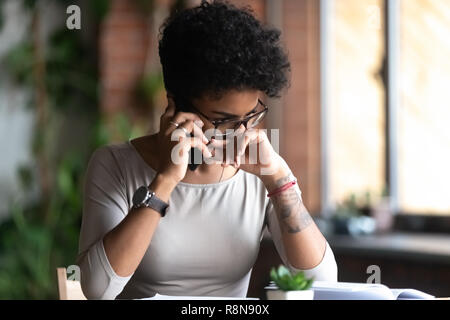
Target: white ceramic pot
{"type": "Point", "coordinates": [290, 295]}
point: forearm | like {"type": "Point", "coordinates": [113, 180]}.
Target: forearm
{"type": "Point", "coordinates": [304, 243]}
{"type": "Point", "coordinates": [127, 243]}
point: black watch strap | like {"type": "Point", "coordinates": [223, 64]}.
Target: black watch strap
{"type": "Point", "coordinates": [156, 203]}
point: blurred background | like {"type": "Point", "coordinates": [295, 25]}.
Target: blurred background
{"type": "Point", "coordinates": [364, 126]}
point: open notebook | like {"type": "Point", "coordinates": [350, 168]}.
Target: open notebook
{"type": "Point", "coordinates": [331, 291]}
{"type": "Point", "coordinates": [361, 291]}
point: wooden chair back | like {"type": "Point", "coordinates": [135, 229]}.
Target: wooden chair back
{"type": "Point", "coordinates": [68, 289]}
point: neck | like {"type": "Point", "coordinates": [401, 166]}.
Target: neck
{"type": "Point", "coordinates": [209, 173]}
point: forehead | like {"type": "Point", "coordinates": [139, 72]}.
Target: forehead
{"type": "Point", "coordinates": [235, 102]}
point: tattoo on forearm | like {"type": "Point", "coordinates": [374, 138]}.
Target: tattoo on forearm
{"type": "Point", "coordinates": [292, 214]}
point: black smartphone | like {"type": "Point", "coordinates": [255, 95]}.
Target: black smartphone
{"type": "Point", "coordinates": [195, 153]}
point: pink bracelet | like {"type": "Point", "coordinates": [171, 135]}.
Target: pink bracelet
{"type": "Point", "coordinates": [281, 189]}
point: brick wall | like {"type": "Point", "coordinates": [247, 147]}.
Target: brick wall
{"type": "Point", "coordinates": [301, 105]}
{"type": "Point", "coordinates": [123, 49]}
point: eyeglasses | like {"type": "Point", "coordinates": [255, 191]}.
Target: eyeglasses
{"type": "Point", "coordinates": [228, 126]}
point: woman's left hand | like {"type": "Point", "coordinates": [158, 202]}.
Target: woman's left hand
{"type": "Point", "coordinates": [254, 154]}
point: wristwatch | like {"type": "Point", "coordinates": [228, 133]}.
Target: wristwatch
{"type": "Point", "coordinates": [144, 197]}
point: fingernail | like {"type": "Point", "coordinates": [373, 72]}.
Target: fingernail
{"type": "Point", "coordinates": [199, 123]}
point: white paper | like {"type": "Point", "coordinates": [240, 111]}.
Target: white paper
{"type": "Point", "coordinates": [408, 294]}
{"type": "Point", "coordinates": [324, 290]}
{"type": "Point", "coordinates": [363, 291]}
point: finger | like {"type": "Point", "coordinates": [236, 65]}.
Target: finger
{"type": "Point", "coordinates": [215, 143]}
{"type": "Point", "coordinates": [238, 139]}
{"type": "Point", "coordinates": [249, 137]}
{"type": "Point", "coordinates": [198, 132]}
{"type": "Point", "coordinates": [190, 127]}
{"type": "Point", "coordinates": [194, 127]}
{"type": "Point", "coordinates": [168, 125]}
{"type": "Point", "coordinates": [216, 147]}
{"type": "Point", "coordinates": [243, 143]}
{"type": "Point", "coordinates": [177, 134]}
{"type": "Point", "coordinates": [180, 117]}
{"type": "Point", "coordinates": [196, 143]}
{"type": "Point", "coordinates": [239, 131]}
{"type": "Point", "coordinates": [183, 129]}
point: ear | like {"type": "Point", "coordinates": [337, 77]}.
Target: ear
{"type": "Point", "coordinates": [171, 100]}
{"type": "Point", "coordinates": [169, 95]}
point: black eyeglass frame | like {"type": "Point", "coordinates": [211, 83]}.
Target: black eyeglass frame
{"type": "Point", "coordinates": [244, 121]}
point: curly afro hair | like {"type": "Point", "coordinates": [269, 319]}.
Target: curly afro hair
{"type": "Point", "coordinates": [216, 47]}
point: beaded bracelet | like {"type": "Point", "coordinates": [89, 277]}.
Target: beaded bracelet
{"type": "Point", "coordinates": [281, 189]}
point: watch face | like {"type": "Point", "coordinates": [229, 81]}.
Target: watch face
{"type": "Point", "coordinates": [140, 195]}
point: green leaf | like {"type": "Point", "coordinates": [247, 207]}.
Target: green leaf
{"type": "Point", "coordinates": [309, 284]}
{"type": "Point", "coordinates": [286, 281]}
{"type": "Point", "coordinates": [282, 271]}
{"type": "Point", "coordinates": [273, 275]}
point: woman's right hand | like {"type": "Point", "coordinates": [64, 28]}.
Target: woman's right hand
{"type": "Point", "coordinates": [173, 144]}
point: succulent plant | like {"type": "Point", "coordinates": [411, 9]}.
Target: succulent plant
{"type": "Point", "coordinates": [286, 281]}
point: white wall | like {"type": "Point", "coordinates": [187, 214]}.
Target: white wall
{"type": "Point", "coordinates": [15, 120]}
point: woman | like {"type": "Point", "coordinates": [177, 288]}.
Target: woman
{"type": "Point", "coordinates": [150, 225]}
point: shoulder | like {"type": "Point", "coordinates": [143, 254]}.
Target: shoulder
{"type": "Point", "coordinates": [111, 153]}
{"type": "Point", "coordinates": [109, 159]}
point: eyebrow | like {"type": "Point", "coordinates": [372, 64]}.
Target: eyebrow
{"type": "Point", "coordinates": [231, 115]}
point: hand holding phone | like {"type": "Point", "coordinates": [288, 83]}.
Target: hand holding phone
{"type": "Point", "coordinates": [177, 136]}
{"type": "Point", "coordinates": [195, 154]}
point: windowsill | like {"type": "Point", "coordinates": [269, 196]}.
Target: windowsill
{"type": "Point", "coordinates": [396, 245]}
{"type": "Point", "coordinates": [426, 223]}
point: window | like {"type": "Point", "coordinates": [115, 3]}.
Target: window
{"type": "Point", "coordinates": [424, 109]}
{"type": "Point", "coordinates": [356, 104]}
{"type": "Point", "coordinates": [358, 156]}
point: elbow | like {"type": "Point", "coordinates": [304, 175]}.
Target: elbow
{"type": "Point", "coordinates": [98, 280]}
{"type": "Point", "coordinates": [89, 292]}
{"type": "Point", "coordinates": [329, 272]}
{"type": "Point", "coordinates": [324, 272]}
{"type": "Point", "coordinates": [327, 269]}
{"type": "Point", "coordinates": [329, 259]}
{"type": "Point", "coordinates": [91, 288]}
{"type": "Point", "coordinates": [94, 282]}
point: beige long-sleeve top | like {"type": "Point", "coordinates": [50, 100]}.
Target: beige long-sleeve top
{"type": "Point", "coordinates": [206, 245]}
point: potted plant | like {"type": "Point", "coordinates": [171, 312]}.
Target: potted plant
{"type": "Point", "coordinates": [287, 286]}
